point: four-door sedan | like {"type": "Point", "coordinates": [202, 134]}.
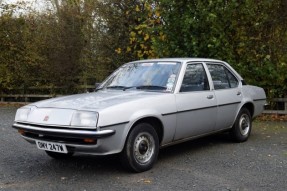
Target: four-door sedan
{"type": "Point", "coordinates": [143, 106]}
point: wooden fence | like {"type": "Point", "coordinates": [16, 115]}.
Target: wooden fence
{"type": "Point", "coordinates": [28, 94]}
{"type": "Point", "coordinates": [276, 106]}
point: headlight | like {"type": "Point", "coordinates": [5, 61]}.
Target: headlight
{"type": "Point", "coordinates": [85, 118]}
{"type": "Point", "coordinates": [23, 113]}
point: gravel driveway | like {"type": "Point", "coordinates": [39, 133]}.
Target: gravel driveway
{"type": "Point", "coordinates": [212, 163]}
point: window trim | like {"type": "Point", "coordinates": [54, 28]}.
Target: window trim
{"type": "Point", "coordinates": [206, 74]}
{"type": "Point", "coordinates": [226, 68]}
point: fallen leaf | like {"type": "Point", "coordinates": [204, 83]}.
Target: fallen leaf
{"type": "Point", "coordinates": [147, 181]}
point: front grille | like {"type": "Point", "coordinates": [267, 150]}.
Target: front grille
{"type": "Point", "coordinates": [64, 140]}
{"type": "Point", "coordinates": [58, 127]}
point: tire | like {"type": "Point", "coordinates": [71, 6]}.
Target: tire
{"type": "Point", "coordinates": [59, 156]}
{"type": "Point", "coordinates": [241, 129]}
{"type": "Point", "coordinates": [141, 148]}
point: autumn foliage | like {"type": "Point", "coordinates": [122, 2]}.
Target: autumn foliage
{"type": "Point", "coordinates": [72, 42]}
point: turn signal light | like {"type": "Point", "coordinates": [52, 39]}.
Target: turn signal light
{"type": "Point", "coordinates": [88, 140]}
{"type": "Point", "coordinates": [22, 132]}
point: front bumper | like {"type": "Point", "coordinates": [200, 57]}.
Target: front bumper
{"type": "Point", "coordinates": [68, 133]}
{"type": "Point", "coordinates": [103, 141]}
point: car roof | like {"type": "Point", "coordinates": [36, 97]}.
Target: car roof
{"type": "Point", "coordinates": [184, 60]}
{"type": "Point", "coordinates": [180, 60]}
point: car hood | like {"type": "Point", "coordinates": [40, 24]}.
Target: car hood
{"type": "Point", "coordinates": [60, 111]}
{"type": "Point", "coordinates": [95, 101]}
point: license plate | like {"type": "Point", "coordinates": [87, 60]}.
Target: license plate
{"type": "Point", "coordinates": [54, 147]}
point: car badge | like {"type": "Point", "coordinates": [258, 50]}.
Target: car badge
{"type": "Point", "coordinates": [46, 118]}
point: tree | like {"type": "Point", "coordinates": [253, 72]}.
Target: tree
{"type": "Point", "coordinates": [251, 35]}
{"type": "Point", "coordinates": [19, 55]}
{"type": "Point", "coordinates": [80, 40]}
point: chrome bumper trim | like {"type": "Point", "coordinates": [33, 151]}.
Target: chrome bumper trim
{"type": "Point", "coordinates": [64, 132]}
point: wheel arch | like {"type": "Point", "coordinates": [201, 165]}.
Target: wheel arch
{"type": "Point", "coordinates": [153, 121]}
{"type": "Point", "coordinates": [248, 105]}
{"type": "Point", "coordinates": [250, 108]}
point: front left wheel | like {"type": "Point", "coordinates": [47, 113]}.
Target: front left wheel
{"type": "Point", "coordinates": [141, 148]}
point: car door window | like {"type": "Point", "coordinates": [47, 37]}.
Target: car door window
{"type": "Point", "coordinates": [195, 79]}
{"type": "Point", "coordinates": [222, 78]}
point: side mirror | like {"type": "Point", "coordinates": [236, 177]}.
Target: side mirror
{"type": "Point", "coordinates": [97, 85]}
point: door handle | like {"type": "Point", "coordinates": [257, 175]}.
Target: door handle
{"type": "Point", "coordinates": [209, 96]}
{"type": "Point", "coordinates": [238, 93]}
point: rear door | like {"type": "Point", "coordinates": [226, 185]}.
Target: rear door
{"type": "Point", "coordinates": [196, 103]}
{"type": "Point", "coordinates": [227, 92]}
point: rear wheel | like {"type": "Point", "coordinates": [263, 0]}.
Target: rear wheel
{"type": "Point", "coordinates": [141, 148]}
{"type": "Point", "coordinates": [56, 155]}
{"type": "Point", "coordinates": [242, 127]}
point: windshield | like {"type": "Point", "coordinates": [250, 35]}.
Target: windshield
{"type": "Point", "coordinates": [154, 76]}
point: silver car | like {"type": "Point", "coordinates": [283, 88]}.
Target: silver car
{"type": "Point", "coordinates": [144, 106]}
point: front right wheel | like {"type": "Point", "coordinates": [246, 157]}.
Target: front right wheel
{"type": "Point", "coordinates": [242, 127]}
{"type": "Point", "coordinates": [141, 148]}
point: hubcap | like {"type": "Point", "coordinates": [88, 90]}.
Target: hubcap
{"type": "Point", "coordinates": [244, 124]}
{"type": "Point", "coordinates": [144, 146]}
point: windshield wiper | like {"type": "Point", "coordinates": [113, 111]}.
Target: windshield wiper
{"type": "Point", "coordinates": [151, 87]}
{"type": "Point", "coordinates": [116, 87]}
{"type": "Point", "coordinates": [147, 87]}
